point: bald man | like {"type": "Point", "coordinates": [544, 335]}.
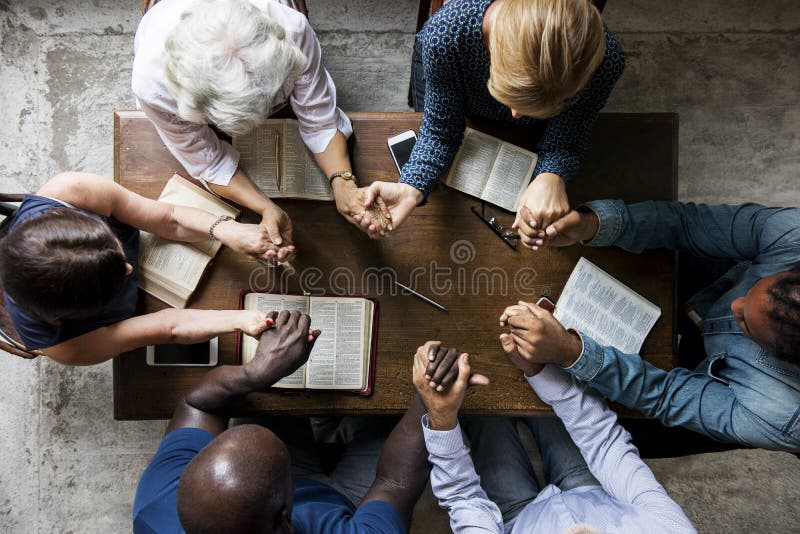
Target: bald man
{"type": "Point", "coordinates": [208, 478]}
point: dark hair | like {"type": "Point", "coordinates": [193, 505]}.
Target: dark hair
{"type": "Point", "coordinates": [785, 313]}
{"type": "Point", "coordinates": [62, 264]}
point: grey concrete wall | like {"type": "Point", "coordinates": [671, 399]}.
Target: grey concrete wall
{"type": "Point", "coordinates": [730, 69]}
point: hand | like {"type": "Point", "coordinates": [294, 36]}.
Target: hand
{"type": "Point", "coordinates": [574, 227]}
{"type": "Point", "coordinates": [442, 368]}
{"type": "Point", "coordinates": [544, 201]}
{"type": "Point", "coordinates": [350, 201]}
{"type": "Point", "coordinates": [253, 240]}
{"type": "Point", "coordinates": [510, 347]}
{"type": "Point", "coordinates": [282, 349]}
{"type": "Point", "coordinates": [443, 406]}
{"type": "Point", "coordinates": [400, 199]}
{"type": "Point", "coordinates": [253, 322]}
{"type": "Point", "coordinates": [539, 337]}
{"type": "Point", "coordinates": [279, 229]}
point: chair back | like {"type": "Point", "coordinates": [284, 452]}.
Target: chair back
{"type": "Point", "coordinates": [10, 340]}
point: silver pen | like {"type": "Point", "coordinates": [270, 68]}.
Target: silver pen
{"type": "Point", "coordinates": [418, 295]}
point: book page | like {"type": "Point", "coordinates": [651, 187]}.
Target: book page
{"type": "Point", "coordinates": [510, 175]}
{"type": "Point", "coordinates": [338, 357]}
{"type": "Point", "coordinates": [473, 163]}
{"type": "Point", "coordinates": [257, 156]}
{"type": "Point", "coordinates": [303, 177]}
{"type": "Point", "coordinates": [268, 302]}
{"type": "Point", "coordinates": [182, 192]}
{"type": "Point", "coordinates": [181, 264]}
{"type": "Point", "coordinates": [597, 304]}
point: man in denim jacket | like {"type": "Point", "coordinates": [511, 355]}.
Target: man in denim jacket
{"type": "Point", "coordinates": [747, 389]}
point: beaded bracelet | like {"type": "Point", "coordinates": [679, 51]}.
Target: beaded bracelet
{"type": "Point", "coordinates": [221, 218]}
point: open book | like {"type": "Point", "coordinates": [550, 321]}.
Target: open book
{"type": "Point", "coordinates": [611, 313]}
{"type": "Point", "coordinates": [343, 357]}
{"type": "Point", "coordinates": [491, 169]}
{"type": "Point", "coordinates": [168, 270]}
{"type": "Point", "coordinates": [279, 163]}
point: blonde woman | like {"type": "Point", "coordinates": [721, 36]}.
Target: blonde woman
{"type": "Point", "coordinates": [549, 64]}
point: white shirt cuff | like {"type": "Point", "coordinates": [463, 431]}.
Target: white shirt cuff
{"type": "Point", "coordinates": [443, 442]}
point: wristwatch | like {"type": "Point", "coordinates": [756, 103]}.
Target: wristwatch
{"type": "Point", "coordinates": [345, 175]}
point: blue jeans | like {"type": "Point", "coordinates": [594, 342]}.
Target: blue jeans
{"type": "Point", "coordinates": [505, 469]}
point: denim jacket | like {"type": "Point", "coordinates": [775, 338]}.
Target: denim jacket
{"type": "Point", "coordinates": [741, 392]}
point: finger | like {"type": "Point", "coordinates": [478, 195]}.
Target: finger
{"type": "Point", "coordinates": [270, 320]}
{"type": "Point", "coordinates": [369, 195]}
{"type": "Point", "coordinates": [294, 318]}
{"type": "Point", "coordinates": [464, 371]}
{"type": "Point", "coordinates": [448, 379]}
{"type": "Point", "coordinates": [441, 353]}
{"type": "Point", "coordinates": [284, 254]}
{"type": "Point", "coordinates": [283, 318]}
{"type": "Point", "coordinates": [535, 309]}
{"type": "Point", "coordinates": [524, 348]}
{"type": "Point", "coordinates": [286, 231]}
{"type": "Point", "coordinates": [384, 209]}
{"type": "Point", "coordinates": [508, 344]}
{"type": "Point", "coordinates": [312, 338]}
{"type": "Point", "coordinates": [304, 323]}
{"type": "Point", "coordinates": [444, 366]}
{"type": "Point", "coordinates": [479, 380]}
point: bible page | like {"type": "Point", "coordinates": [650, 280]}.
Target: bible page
{"type": "Point", "coordinates": [597, 304]}
{"type": "Point", "coordinates": [473, 163]}
{"type": "Point", "coordinates": [182, 265]}
{"type": "Point", "coordinates": [303, 177]}
{"type": "Point", "coordinates": [350, 361]}
{"type": "Point", "coordinates": [267, 302]}
{"type": "Point", "coordinates": [509, 177]}
{"type": "Point", "coordinates": [257, 156]}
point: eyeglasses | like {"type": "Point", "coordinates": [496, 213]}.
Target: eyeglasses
{"type": "Point", "coordinates": [509, 236]}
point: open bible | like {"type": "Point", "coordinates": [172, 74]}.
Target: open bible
{"type": "Point", "coordinates": [168, 270]}
{"type": "Point", "coordinates": [279, 163]}
{"type": "Point", "coordinates": [491, 169]}
{"type": "Point", "coordinates": [343, 357]}
{"type": "Point", "coordinates": [599, 305]}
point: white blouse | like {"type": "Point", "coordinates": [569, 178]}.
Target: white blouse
{"type": "Point", "coordinates": [312, 95]}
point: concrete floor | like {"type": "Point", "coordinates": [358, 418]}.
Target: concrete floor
{"type": "Point", "coordinates": [730, 68]}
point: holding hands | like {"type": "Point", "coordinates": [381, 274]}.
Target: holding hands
{"type": "Point", "coordinates": [536, 338]}
{"type": "Point", "coordinates": [451, 366]}
{"type": "Point", "coordinates": [351, 202]}
{"type": "Point", "coordinates": [282, 349]}
{"type": "Point", "coordinates": [543, 203]}
{"type": "Point", "coordinates": [395, 200]}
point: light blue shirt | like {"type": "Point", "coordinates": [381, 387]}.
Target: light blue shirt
{"type": "Point", "coordinates": [630, 500]}
{"type": "Point", "coordinates": [741, 392]}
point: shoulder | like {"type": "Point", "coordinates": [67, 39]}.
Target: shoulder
{"type": "Point", "coordinates": [155, 504]}
{"type": "Point", "coordinates": [614, 59]}
{"type": "Point", "coordinates": [454, 32]}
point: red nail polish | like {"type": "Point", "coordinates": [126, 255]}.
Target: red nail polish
{"type": "Point", "coordinates": [269, 322]}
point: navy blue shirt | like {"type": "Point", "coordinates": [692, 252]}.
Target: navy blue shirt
{"type": "Point", "coordinates": [38, 334]}
{"type": "Point", "coordinates": [456, 70]}
{"type": "Point", "coordinates": [318, 508]}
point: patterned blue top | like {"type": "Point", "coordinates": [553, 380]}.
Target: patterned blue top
{"type": "Point", "coordinates": [456, 69]}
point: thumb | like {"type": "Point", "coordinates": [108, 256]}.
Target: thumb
{"type": "Point", "coordinates": [273, 231]}
{"type": "Point", "coordinates": [463, 372]}
{"type": "Point", "coordinates": [369, 195]}
{"type": "Point", "coordinates": [507, 342]}
{"type": "Point", "coordinates": [535, 309]}
{"type": "Point", "coordinates": [561, 225]}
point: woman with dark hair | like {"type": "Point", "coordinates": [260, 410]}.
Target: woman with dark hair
{"type": "Point", "coordinates": [68, 265]}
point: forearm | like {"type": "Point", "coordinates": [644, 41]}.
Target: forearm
{"type": "Point", "coordinates": [244, 192]}
{"type": "Point", "coordinates": [403, 468]}
{"type": "Point", "coordinates": [674, 397]}
{"type": "Point", "coordinates": [188, 326]}
{"type": "Point", "coordinates": [335, 157]}
{"type": "Point", "coordinates": [456, 484]}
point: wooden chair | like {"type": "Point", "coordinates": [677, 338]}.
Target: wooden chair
{"type": "Point", "coordinates": [10, 340]}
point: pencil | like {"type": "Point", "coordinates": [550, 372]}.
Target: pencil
{"type": "Point", "coordinates": [420, 296]}
{"type": "Point", "coordinates": [278, 159]}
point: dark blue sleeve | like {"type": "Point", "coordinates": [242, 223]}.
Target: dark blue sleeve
{"type": "Point", "coordinates": [443, 119]}
{"type": "Point", "coordinates": [563, 144]}
{"type": "Point", "coordinates": [155, 506]}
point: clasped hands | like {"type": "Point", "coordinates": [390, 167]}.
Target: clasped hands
{"type": "Point", "coordinates": [534, 338]}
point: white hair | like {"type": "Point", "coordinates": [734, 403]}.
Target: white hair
{"type": "Point", "coordinates": [225, 61]}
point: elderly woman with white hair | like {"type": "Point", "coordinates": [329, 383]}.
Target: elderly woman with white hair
{"type": "Point", "coordinates": [232, 64]}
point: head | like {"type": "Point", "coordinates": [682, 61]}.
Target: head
{"type": "Point", "coordinates": [769, 313]}
{"type": "Point", "coordinates": [241, 482]}
{"type": "Point", "coordinates": [543, 53]}
{"type": "Point", "coordinates": [225, 61]}
{"type": "Point", "coordinates": [62, 264]}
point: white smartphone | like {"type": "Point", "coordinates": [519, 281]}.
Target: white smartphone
{"type": "Point", "coordinates": [194, 355]}
{"type": "Point", "coordinates": [400, 146]}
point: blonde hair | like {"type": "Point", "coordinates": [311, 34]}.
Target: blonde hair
{"type": "Point", "coordinates": [225, 61]}
{"type": "Point", "coordinates": [543, 52]}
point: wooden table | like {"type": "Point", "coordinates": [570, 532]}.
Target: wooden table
{"type": "Point", "coordinates": [633, 157]}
